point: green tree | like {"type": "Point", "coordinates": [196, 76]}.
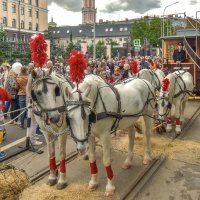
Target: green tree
{"type": "Point", "coordinates": [140, 30]}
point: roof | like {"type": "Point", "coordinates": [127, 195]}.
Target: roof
{"type": "Point", "coordinates": [101, 30]}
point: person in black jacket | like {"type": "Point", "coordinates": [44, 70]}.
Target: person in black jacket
{"type": "Point", "coordinates": [179, 55]}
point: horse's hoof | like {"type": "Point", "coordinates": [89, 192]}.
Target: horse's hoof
{"type": "Point", "coordinates": [146, 161]}
{"type": "Point", "coordinates": [126, 166]}
{"type": "Point", "coordinates": [52, 182]}
{"type": "Point", "coordinates": [92, 187]}
{"type": "Point", "coordinates": [86, 157]}
{"type": "Point", "coordinates": [109, 193]}
{"type": "Point", "coordinates": [61, 186]}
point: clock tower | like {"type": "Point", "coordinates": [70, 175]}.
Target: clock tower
{"type": "Point", "coordinates": [88, 12]}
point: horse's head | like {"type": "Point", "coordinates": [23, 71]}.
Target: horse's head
{"type": "Point", "coordinates": [46, 94]}
{"type": "Point", "coordinates": [163, 105]}
{"type": "Point", "coordinates": [80, 116]}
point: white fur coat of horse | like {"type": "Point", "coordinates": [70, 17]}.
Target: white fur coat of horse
{"type": "Point", "coordinates": [137, 98]}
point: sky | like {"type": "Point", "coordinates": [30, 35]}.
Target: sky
{"type": "Point", "coordinates": [68, 12]}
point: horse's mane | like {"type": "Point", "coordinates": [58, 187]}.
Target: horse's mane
{"type": "Point", "coordinates": [145, 74]}
{"type": "Point", "coordinates": [95, 82]}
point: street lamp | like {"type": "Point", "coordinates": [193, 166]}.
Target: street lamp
{"type": "Point", "coordinates": [94, 36]}
{"type": "Point", "coordinates": [163, 29]}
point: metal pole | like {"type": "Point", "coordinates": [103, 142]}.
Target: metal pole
{"type": "Point", "coordinates": [19, 36]}
{"type": "Point", "coordinates": [163, 31]}
{"type": "Point", "coordinates": [94, 36]}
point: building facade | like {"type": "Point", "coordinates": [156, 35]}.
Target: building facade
{"type": "Point", "coordinates": [88, 12]}
{"type": "Point", "coordinates": [22, 18]}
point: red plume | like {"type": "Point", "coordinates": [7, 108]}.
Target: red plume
{"type": "Point", "coordinates": [38, 48]}
{"type": "Point", "coordinates": [165, 84]}
{"type": "Point", "coordinates": [78, 65]}
{"type": "Point", "coordinates": [134, 67]}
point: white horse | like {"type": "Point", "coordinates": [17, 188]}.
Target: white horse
{"type": "Point", "coordinates": [154, 76]}
{"type": "Point", "coordinates": [111, 108]}
{"type": "Point", "coordinates": [175, 94]}
{"type": "Point", "coordinates": [47, 91]}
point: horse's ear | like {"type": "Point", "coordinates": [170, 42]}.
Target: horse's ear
{"type": "Point", "coordinates": [50, 71]}
{"type": "Point", "coordinates": [67, 92]}
{"type": "Point", "coordinates": [87, 91]}
{"type": "Point", "coordinates": [34, 74]}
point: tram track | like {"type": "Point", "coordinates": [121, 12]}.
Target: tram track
{"type": "Point", "coordinates": [45, 171]}
{"type": "Point", "coordinates": [135, 187]}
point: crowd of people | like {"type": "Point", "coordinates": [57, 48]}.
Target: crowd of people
{"type": "Point", "coordinates": [14, 80]}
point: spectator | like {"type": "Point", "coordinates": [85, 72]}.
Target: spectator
{"type": "Point", "coordinates": [126, 72]}
{"type": "Point", "coordinates": [116, 77]}
{"type": "Point", "coordinates": [10, 86]}
{"type": "Point", "coordinates": [4, 96]}
{"type": "Point", "coordinates": [179, 54]}
{"type": "Point", "coordinates": [21, 83]}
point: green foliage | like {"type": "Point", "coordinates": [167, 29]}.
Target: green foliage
{"type": "Point", "coordinates": [151, 30]}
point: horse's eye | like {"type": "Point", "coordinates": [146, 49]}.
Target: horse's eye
{"type": "Point", "coordinates": [57, 91]}
{"type": "Point", "coordinates": [39, 93]}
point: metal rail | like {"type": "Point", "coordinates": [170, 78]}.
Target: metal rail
{"type": "Point", "coordinates": [42, 173]}
{"type": "Point", "coordinates": [143, 179]}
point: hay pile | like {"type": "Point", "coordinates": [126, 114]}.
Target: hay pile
{"type": "Point", "coordinates": [162, 146]}
{"type": "Point", "coordinates": [12, 182]}
{"type": "Point", "coordinates": [158, 144]}
{"type": "Point", "coordinates": [76, 191]}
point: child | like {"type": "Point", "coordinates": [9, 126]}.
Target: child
{"type": "Point", "coordinates": [4, 96]}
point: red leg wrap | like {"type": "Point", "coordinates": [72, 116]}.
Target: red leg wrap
{"type": "Point", "coordinates": [52, 164]}
{"type": "Point", "coordinates": [93, 168]}
{"type": "Point", "coordinates": [109, 172]}
{"type": "Point", "coordinates": [178, 121]}
{"type": "Point", "coordinates": [169, 120]}
{"type": "Point", "coordinates": [62, 166]}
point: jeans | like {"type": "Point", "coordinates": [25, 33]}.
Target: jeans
{"type": "Point", "coordinates": [7, 106]}
{"type": "Point", "coordinates": [14, 106]}
{"type": "Point", "coordinates": [22, 104]}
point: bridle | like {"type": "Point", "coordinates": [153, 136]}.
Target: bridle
{"type": "Point", "coordinates": [80, 103]}
{"type": "Point", "coordinates": [169, 105]}
{"type": "Point", "coordinates": [37, 107]}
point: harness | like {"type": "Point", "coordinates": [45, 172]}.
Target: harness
{"type": "Point", "coordinates": [93, 117]}
{"type": "Point", "coordinates": [183, 91]}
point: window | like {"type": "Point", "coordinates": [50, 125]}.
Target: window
{"type": "Point", "coordinates": [125, 28]}
{"type": "Point", "coordinates": [23, 38]}
{"type": "Point", "coordinates": [106, 29]}
{"type": "Point", "coordinates": [14, 37]}
{"type": "Point", "coordinates": [120, 39]}
{"type": "Point", "coordinates": [80, 31]}
{"type": "Point", "coordinates": [4, 6]}
{"type": "Point", "coordinates": [37, 3]}
{"type": "Point", "coordinates": [30, 2]}
{"type": "Point", "coordinates": [67, 31]}
{"type": "Point", "coordinates": [14, 23]}
{"type": "Point", "coordinates": [37, 14]}
{"type": "Point", "coordinates": [30, 26]}
{"type": "Point", "coordinates": [22, 10]}
{"type": "Point", "coordinates": [30, 12]}
{"type": "Point", "coordinates": [22, 24]}
{"type": "Point", "coordinates": [13, 8]}
{"type": "Point", "coordinates": [58, 31]}
{"type": "Point", "coordinates": [5, 21]}
{"type": "Point", "coordinates": [111, 29]}
{"type": "Point", "coordinates": [22, 1]}
{"type": "Point", "coordinates": [93, 30]}
{"type": "Point", "coordinates": [37, 27]}
{"type": "Point", "coordinates": [54, 32]}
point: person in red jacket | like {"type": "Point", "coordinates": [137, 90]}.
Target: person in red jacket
{"type": "Point", "coordinates": [4, 96]}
